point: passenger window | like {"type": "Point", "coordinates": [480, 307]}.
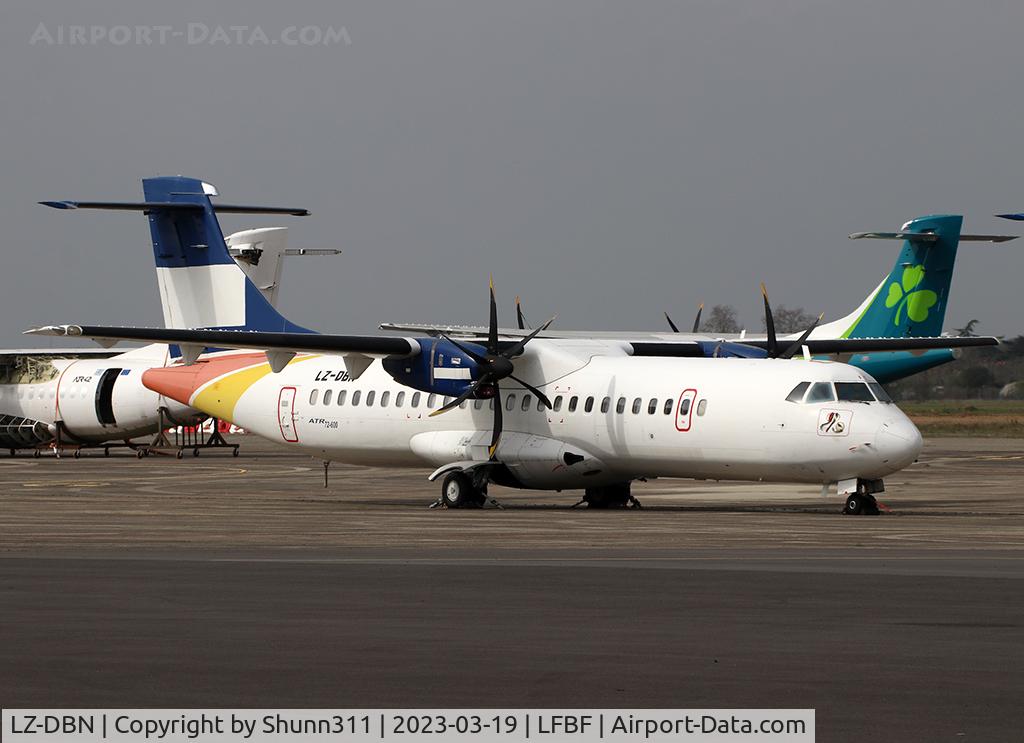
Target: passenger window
{"type": "Point", "coordinates": [327, 396]}
{"type": "Point", "coordinates": [445, 400]}
{"type": "Point", "coordinates": [462, 404]}
{"type": "Point", "coordinates": [797, 395]}
{"type": "Point", "coordinates": [312, 396]}
{"type": "Point", "coordinates": [400, 399]}
{"type": "Point", "coordinates": [384, 397]}
{"type": "Point", "coordinates": [652, 406]}
{"type": "Point", "coordinates": [853, 392]}
{"type": "Point", "coordinates": [606, 404]}
{"type": "Point", "coordinates": [369, 398]}
{"type": "Point", "coordinates": [558, 403]}
{"type": "Point", "coordinates": [510, 402]}
{"type": "Point", "coordinates": [684, 406]}
{"type": "Point", "coordinates": [540, 405]}
{"type": "Point", "coordinates": [636, 406]}
{"type": "Point", "coordinates": [880, 394]}
{"type": "Point", "coordinates": [702, 407]}
{"type": "Point", "coordinates": [821, 392]}
{"type": "Point", "coordinates": [355, 397]}
{"type": "Point", "coordinates": [431, 400]}
{"type": "Point", "coordinates": [588, 405]}
{"type": "Point", "coordinates": [341, 397]}
{"type": "Point", "coordinates": [620, 406]}
{"type": "Point", "coordinates": [415, 403]}
{"type": "Point", "coordinates": [669, 404]}
{"type": "Point", "coordinates": [572, 403]}
{"type": "Point", "coordinates": [477, 404]}
{"type": "Point", "coordinates": [526, 403]}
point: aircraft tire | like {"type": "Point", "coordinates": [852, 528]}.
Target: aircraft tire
{"type": "Point", "coordinates": [861, 504]}
{"type": "Point", "coordinates": [457, 490]}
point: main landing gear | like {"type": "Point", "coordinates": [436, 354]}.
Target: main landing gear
{"type": "Point", "coordinates": [862, 502]}
{"type": "Point", "coordinates": [610, 496]}
{"type": "Point", "coordinates": [461, 489]}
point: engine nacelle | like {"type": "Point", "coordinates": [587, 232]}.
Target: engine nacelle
{"type": "Point", "coordinates": [439, 368]}
{"type": "Point", "coordinates": [731, 350]}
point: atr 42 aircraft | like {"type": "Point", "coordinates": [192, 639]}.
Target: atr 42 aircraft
{"type": "Point", "coordinates": [528, 411]}
{"type": "Point", "coordinates": [910, 301]}
{"type": "Point", "coordinates": [74, 397]}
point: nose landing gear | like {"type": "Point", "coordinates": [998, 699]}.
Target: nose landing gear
{"type": "Point", "coordinates": [861, 502]}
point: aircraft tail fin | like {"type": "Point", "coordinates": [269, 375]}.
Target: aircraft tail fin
{"type": "Point", "coordinates": [200, 284]}
{"type": "Point", "coordinates": [912, 299]}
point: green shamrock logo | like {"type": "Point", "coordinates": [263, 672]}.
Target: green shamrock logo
{"type": "Point", "coordinates": [902, 294]}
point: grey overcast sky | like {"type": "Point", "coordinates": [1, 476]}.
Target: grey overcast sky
{"type": "Point", "coordinates": [606, 160]}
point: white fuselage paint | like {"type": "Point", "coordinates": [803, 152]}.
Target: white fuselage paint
{"type": "Point", "coordinates": [739, 424]}
{"type": "Point", "coordinates": [70, 397]}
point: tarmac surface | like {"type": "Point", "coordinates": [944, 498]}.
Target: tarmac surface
{"type": "Point", "coordinates": [244, 582]}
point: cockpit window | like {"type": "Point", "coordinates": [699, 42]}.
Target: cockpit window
{"type": "Point", "coordinates": [880, 392]}
{"type": "Point", "coordinates": [798, 392]}
{"type": "Point", "coordinates": [854, 392]}
{"type": "Point", "coordinates": [821, 392]}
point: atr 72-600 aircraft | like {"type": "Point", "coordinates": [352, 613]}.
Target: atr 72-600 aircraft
{"type": "Point", "coordinates": [75, 397]}
{"type": "Point", "coordinates": [535, 412]}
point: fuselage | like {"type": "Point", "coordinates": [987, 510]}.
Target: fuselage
{"type": "Point", "coordinates": [95, 400]}
{"type": "Point", "coordinates": [615, 417]}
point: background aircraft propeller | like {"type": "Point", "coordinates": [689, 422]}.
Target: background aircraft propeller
{"type": "Point", "coordinates": [696, 320]}
{"type": "Point", "coordinates": [495, 365]}
{"type": "Point", "coordinates": [520, 318]}
{"type": "Point", "coordinates": [773, 343]}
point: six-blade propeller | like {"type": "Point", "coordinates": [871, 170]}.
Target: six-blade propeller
{"type": "Point", "coordinates": [494, 365]}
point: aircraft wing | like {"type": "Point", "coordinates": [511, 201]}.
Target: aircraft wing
{"type": "Point", "coordinates": [874, 345]}
{"type": "Point", "coordinates": [397, 347]}
{"type": "Point", "coordinates": [363, 345]}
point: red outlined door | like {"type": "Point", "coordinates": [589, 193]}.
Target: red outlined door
{"type": "Point", "coordinates": [684, 410]}
{"type": "Point", "coordinates": [286, 414]}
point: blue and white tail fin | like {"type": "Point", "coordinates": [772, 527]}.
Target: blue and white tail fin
{"type": "Point", "coordinates": [912, 299]}
{"type": "Point", "coordinates": [201, 285]}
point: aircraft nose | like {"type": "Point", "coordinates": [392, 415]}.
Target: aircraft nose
{"type": "Point", "coordinates": [899, 441]}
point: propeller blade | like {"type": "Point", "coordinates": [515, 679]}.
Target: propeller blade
{"type": "Point", "coordinates": [791, 351]}
{"type": "Point", "coordinates": [492, 330]}
{"type": "Point", "coordinates": [520, 318]}
{"type": "Point", "coordinates": [671, 324]}
{"type": "Point", "coordinates": [769, 325]}
{"type": "Point", "coordinates": [540, 395]}
{"type": "Point", "coordinates": [518, 348]}
{"type": "Point", "coordinates": [470, 391]}
{"type": "Point", "coordinates": [696, 320]}
{"type": "Point", "coordinates": [468, 351]}
{"type": "Point", "coordinates": [496, 436]}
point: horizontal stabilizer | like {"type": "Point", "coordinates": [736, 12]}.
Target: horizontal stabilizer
{"type": "Point", "coordinates": [145, 206]}
{"type": "Point", "coordinates": [930, 237]}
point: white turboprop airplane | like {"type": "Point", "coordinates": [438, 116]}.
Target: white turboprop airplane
{"type": "Point", "coordinates": [75, 397]}
{"type": "Point", "coordinates": [544, 413]}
